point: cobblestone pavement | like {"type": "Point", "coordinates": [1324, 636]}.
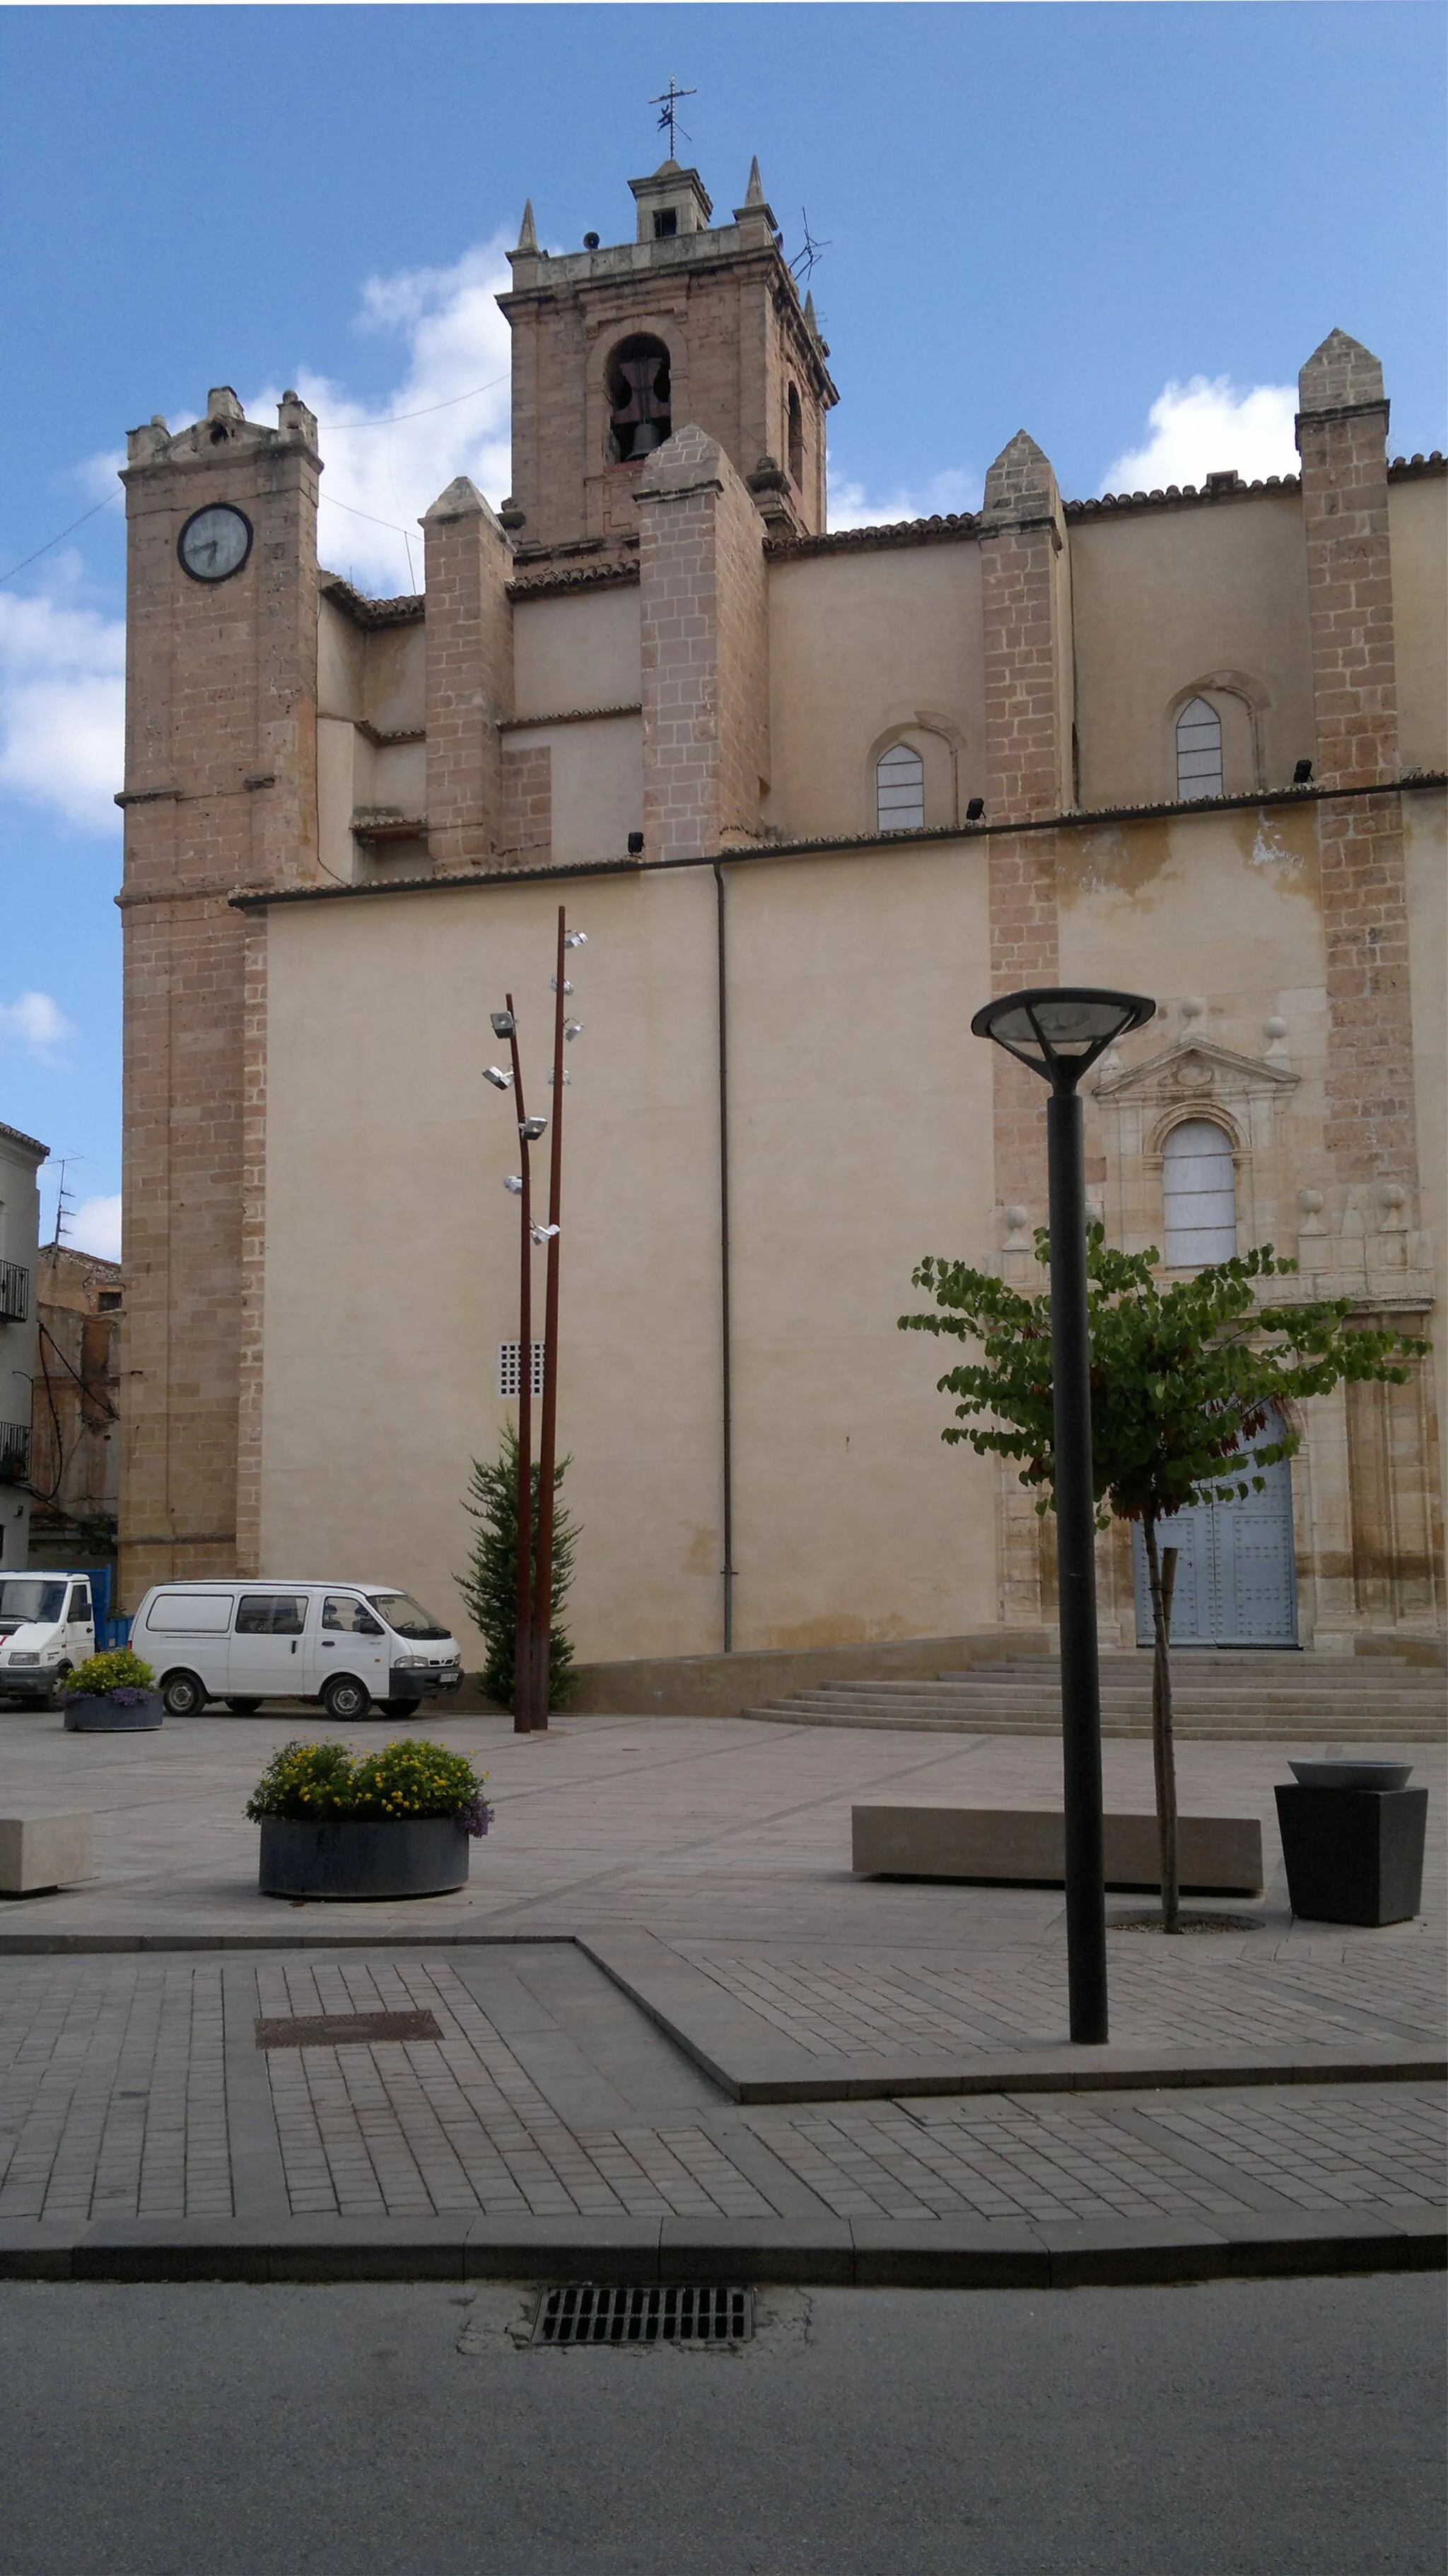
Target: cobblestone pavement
{"type": "Point", "coordinates": [1218, 1991]}
{"type": "Point", "coordinates": [125, 2083]}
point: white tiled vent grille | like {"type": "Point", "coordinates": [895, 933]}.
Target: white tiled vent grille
{"type": "Point", "coordinates": [510, 1375]}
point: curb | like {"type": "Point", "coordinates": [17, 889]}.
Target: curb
{"type": "Point", "coordinates": [860, 2253]}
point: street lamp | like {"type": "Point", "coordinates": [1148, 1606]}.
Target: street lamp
{"type": "Point", "coordinates": [1060, 1033]}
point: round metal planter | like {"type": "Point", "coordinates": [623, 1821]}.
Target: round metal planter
{"type": "Point", "coordinates": [362, 1861]}
{"type": "Point", "coordinates": [99, 1714]}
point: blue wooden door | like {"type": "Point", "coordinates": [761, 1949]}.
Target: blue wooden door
{"type": "Point", "coordinates": [1236, 1579]}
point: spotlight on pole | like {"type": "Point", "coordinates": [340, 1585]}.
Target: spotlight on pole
{"type": "Point", "coordinates": [553, 984]}
{"type": "Point", "coordinates": [543, 1233]}
{"type": "Point", "coordinates": [513, 1184]}
{"type": "Point", "coordinates": [500, 1080]}
{"type": "Point", "coordinates": [572, 1029]}
{"type": "Point", "coordinates": [575, 939]}
{"type": "Point", "coordinates": [502, 1023]}
{"type": "Point", "coordinates": [1059, 1034]}
{"type": "Point", "coordinates": [530, 1129]}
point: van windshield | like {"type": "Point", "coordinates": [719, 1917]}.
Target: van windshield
{"type": "Point", "coordinates": [24, 1597]}
{"type": "Point", "coordinates": [404, 1614]}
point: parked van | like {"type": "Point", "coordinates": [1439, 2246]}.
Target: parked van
{"type": "Point", "coordinates": [47, 1627]}
{"type": "Point", "coordinates": [345, 1644]}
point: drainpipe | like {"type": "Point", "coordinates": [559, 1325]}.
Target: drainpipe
{"type": "Point", "coordinates": [726, 1368]}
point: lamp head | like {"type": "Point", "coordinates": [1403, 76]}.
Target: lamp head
{"type": "Point", "coordinates": [1059, 1030]}
{"type": "Point", "coordinates": [530, 1129]}
{"type": "Point", "coordinates": [495, 1074]}
{"type": "Point", "coordinates": [502, 1023]}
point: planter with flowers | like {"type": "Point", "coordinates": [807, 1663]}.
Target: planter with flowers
{"type": "Point", "coordinates": [111, 1694]}
{"type": "Point", "coordinates": [394, 1823]}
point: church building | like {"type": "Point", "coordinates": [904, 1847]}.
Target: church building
{"type": "Point", "coordinates": [813, 797]}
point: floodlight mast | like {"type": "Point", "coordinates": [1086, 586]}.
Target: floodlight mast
{"type": "Point", "coordinates": [1060, 1033]}
{"type": "Point", "coordinates": [548, 1435]}
{"type": "Point", "coordinates": [523, 1720]}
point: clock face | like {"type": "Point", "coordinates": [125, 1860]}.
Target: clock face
{"type": "Point", "coordinates": [214, 542]}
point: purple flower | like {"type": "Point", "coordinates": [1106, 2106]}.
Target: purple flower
{"type": "Point", "coordinates": [476, 1816]}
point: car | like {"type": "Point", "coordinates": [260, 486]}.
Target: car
{"type": "Point", "coordinates": [345, 1644]}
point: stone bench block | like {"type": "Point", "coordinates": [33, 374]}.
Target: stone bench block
{"type": "Point", "coordinates": [923, 1841]}
{"type": "Point", "coordinates": [44, 1851]}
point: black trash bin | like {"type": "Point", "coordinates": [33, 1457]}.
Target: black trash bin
{"type": "Point", "coordinates": [1352, 1838]}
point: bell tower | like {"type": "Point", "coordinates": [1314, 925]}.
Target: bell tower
{"type": "Point", "coordinates": [614, 348]}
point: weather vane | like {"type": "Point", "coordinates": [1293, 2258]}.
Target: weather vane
{"type": "Point", "coordinates": [805, 262]}
{"type": "Point", "coordinates": [667, 104]}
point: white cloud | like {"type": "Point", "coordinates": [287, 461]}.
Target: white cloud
{"type": "Point", "coordinates": [36, 1023]}
{"type": "Point", "coordinates": [62, 707]}
{"type": "Point", "coordinates": [95, 1226]}
{"type": "Point", "coordinates": [953, 490]}
{"type": "Point", "coordinates": [1200, 428]}
{"type": "Point", "coordinates": [391, 459]}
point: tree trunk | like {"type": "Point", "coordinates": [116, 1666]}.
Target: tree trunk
{"type": "Point", "coordinates": [1162, 1572]}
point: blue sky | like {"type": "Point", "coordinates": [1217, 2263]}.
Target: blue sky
{"type": "Point", "coordinates": [1123, 227]}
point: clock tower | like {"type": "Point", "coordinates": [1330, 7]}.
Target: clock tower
{"type": "Point", "coordinates": [616, 347]}
{"type": "Point", "coordinates": [220, 792]}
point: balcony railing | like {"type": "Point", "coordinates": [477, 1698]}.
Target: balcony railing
{"type": "Point", "coordinates": [14, 1292]}
{"type": "Point", "coordinates": [14, 1452]}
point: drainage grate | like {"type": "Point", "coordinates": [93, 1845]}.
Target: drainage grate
{"type": "Point", "coordinates": [340, 2030]}
{"type": "Point", "coordinates": [582, 2312]}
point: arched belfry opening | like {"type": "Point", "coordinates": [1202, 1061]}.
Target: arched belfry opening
{"type": "Point", "coordinates": [794, 437]}
{"type": "Point", "coordinates": [639, 398]}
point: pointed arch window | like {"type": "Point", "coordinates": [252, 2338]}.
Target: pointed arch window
{"type": "Point", "coordinates": [900, 789]}
{"type": "Point", "coordinates": [1198, 751]}
{"type": "Point", "coordinates": [1199, 1194]}
{"type": "Point", "coordinates": [639, 398]}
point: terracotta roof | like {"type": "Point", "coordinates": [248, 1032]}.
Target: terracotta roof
{"type": "Point", "coordinates": [18, 1136]}
{"type": "Point", "coordinates": [407, 611]}
{"type": "Point", "coordinates": [941, 530]}
{"type": "Point", "coordinates": [580, 577]}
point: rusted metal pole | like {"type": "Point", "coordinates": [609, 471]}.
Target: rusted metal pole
{"type": "Point", "coordinates": [548, 1436]}
{"type": "Point", "coordinates": [523, 1693]}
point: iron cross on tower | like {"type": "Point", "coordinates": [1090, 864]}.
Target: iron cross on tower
{"type": "Point", "coordinates": [667, 104]}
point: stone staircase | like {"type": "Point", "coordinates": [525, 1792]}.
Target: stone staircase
{"type": "Point", "coordinates": [1216, 1697]}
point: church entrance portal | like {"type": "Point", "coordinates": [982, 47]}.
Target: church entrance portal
{"type": "Point", "coordinates": [1236, 1582]}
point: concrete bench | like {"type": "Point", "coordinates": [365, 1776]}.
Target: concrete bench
{"type": "Point", "coordinates": [43, 1851]}
{"type": "Point", "coordinates": [924, 1841]}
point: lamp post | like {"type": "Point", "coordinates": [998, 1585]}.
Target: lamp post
{"type": "Point", "coordinates": [1060, 1033]}
{"type": "Point", "coordinates": [534, 1597]}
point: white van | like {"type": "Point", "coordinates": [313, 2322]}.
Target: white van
{"type": "Point", "coordinates": [47, 1627]}
{"type": "Point", "coordinates": [345, 1644]}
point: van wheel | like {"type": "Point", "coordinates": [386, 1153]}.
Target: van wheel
{"type": "Point", "coordinates": [243, 1707]}
{"type": "Point", "coordinates": [182, 1695]}
{"type": "Point", "coordinates": [53, 1697]}
{"type": "Point", "coordinates": [345, 1700]}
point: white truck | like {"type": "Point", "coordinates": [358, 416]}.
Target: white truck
{"type": "Point", "coordinates": [345, 1644]}
{"type": "Point", "coordinates": [47, 1627]}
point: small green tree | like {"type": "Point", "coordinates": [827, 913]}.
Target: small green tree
{"type": "Point", "coordinates": [1185, 1379]}
{"type": "Point", "coordinates": [490, 1585]}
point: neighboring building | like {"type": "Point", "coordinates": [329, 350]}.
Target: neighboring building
{"type": "Point", "coordinates": [75, 1449]}
{"type": "Point", "coordinates": [816, 795]}
{"type": "Point", "coordinates": [20, 1160]}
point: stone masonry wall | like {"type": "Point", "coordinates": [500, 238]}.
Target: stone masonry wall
{"type": "Point", "coordinates": [704, 652]}
{"type": "Point", "coordinates": [220, 793]}
{"type": "Point", "coordinates": [469, 648]}
{"type": "Point", "coordinates": [1342, 440]}
{"type": "Point", "coordinates": [525, 831]}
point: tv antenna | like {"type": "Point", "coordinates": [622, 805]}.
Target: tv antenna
{"type": "Point", "coordinates": [64, 1207]}
{"type": "Point", "coordinates": [804, 263]}
{"type": "Point", "coordinates": [667, 104]}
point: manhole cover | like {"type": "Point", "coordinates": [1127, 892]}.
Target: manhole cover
{"type": "Point", "coordinates": [584, 2312]}
{"type": "Point", "coordinates": [337, 2030]}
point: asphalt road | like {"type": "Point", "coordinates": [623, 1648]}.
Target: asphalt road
{"type": "Point", "coordinates": [1247, 2429]}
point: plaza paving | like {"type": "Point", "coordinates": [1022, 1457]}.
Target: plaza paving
{"type": "Point", "coordinates": [867, 2072]}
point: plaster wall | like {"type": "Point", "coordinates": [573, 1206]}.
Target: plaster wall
{"type": "Point", "coordinates": [597, 783]}
{"type": "Point", "coordinates": [1425, 846]}
{"type": "Point", "coordinates": [577, 650]}
{"type": "Point", "coordinates": [1418, 536]}
{"type": "Point", "coordinates": [852, 1520]}
{"type": "Point", "coordinates": [863, 648]}
{"type": "Point", "coordinates": [1168, 601]}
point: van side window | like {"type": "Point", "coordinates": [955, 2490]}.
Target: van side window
{"type": "Point", "coordinates": [271, 1614]}
{"type": "Point", "coordinates": [343, 1615]}
{"type": "Point", "coordinates": [80, 1601]}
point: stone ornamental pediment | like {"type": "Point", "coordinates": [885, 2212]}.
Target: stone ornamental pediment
{"type": "Point", "coordinates": [1195, 1068]}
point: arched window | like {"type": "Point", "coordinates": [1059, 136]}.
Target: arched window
{"type": "Point", "coordinates": [1199, 1194]}
{"type": "Point", "coordinates": [900, 789]}
{"type": "Point", "coordinates": [794, 433]}
{"type": "Point", "coordinates": [1198, 751]}
{"type": "Point", "coordinates": [638, 399]}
